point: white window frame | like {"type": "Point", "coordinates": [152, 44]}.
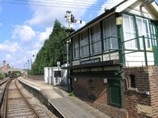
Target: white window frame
{"type": "Point", "coordinates": [110, 39]}
{"type": "Point", "coordinates": [95, 39]}
{"type": "Point", "coordinates": [84, 45]}
{"type": "Point", "coordinates": [76, 47]}
{"type": "Point", "coordinates": [129, 32]}
{"type": "Point", "coordinates": [144, 30]}
{"type": "Point", "coordinates": [153, 34]}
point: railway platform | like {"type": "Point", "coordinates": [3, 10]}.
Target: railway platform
{"type": "Point", "coordinates": [67, 106]}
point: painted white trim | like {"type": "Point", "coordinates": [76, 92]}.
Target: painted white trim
{"type": "Point", "coordinates": [125, 5]}
{"type": "Point", "coordinates": [155, 6]}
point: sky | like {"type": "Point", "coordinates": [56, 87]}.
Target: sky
{"type": "Point", "coordinates": [26, 24]}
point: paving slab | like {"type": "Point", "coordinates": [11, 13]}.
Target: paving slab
{"type": "Point", "coordinates": [68, 106]}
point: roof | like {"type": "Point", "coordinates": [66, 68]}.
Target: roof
{"type": "Point", "coordinates": [116, 9]}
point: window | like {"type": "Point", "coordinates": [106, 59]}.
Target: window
{"type": "Point", "coordinates": [95, 39]}
{"type": "Point", "coordinates": [132, 81]}
{"type": "Point", "coordinates": [84, 46]}
{"type": "Point", "coordinates": [142, 26]}
{"type": "Point", "coordinates": [110, 34]}
{"type": "Point", "coordinates": [153, 34]}
{"type": "Point", "coordinates": [143, 29]}
{"type": "Point", "coordinates": [76, 47]}
{"type": "Point", "coordinates": [129, 31]}
{"type": "Point", "coordinates": [57, 73]}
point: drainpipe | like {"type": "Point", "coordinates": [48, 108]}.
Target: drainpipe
{"type": "Point", "coordinates": [68, 64]}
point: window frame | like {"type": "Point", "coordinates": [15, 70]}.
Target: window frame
{"type": "Point", "coordinates": [76, 45]}
{"type": "Point", "coordinates": [110, 39]}
{"type": "Point", "coordinates": [84, 44]}
{"type": "Point", "coordinates": [141, 32]}
{"type": "Point", "coordinates": [153, 34]}
{"type": "Point", "coordinates": [95, 39]}
{"type": "Point", "coordinates": [131, 32]}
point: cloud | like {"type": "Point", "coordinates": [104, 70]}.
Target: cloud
{"type": "Point", "coordinates": [43, 17]}
{"type": "Point", "coordinates": [14, 54]}
{"type": "Point", "coordinates": [51, 10]}
{"type": "Point", "coordinates": [45, 35]}
{"type": "Point", "coordinates": [23, 32]}
{"type": "Point", "coordinates": [42, 36]}
{"type": "Point", "coordinates": [10, 52]}
{"type": "Point", "coordinates": [9, 56]}
{"type": "Point", "coordinates": [108, 5]}
{"type": "Point", "coordinates": [17, 54]}
{"type": "Point", "coordinates": [8, 46]}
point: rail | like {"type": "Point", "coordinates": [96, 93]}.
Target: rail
{"type": "Point", "coordinates": [112, 44]}
{"type": "Point", "coordinates": [141, 44]}
{"type": "Point", "coordinates": [5, 114]}
{"type": "Point", "coordinates": [26, 101]}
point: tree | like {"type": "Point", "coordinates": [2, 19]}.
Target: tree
{"type": "Point", "coordinates": [52, 51]}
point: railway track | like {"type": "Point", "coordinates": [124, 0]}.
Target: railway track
{"type": "Point", "coordinates": [18, 103]}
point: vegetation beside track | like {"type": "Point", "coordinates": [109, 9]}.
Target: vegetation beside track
{"type": "Point", "coordinates": [1, 76]}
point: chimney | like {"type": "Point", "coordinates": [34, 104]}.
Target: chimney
{"type": "Point", "coordinates": [8, 66]}
{"type": "Point", "coordinates": [4, 62]}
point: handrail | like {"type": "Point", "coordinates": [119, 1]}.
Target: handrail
{"type": "Point", "coordinates": [142, 44]}
{"type": "Point", "coordinates": [143, 47]}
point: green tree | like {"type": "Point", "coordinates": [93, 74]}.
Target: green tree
{"type": "Point", "coordinates": [53, 50]}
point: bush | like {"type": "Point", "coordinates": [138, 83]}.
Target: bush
{"type": "Point", "coordinates": [16, 73]}
{"type": "Point", "coordinates": [1, 76]}
{"type": "Point", "coordinates": [71, 94]}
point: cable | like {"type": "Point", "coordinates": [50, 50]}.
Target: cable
{"type": "Point", "coordinates": [60, 1]}
{"type": "Point", "coordinates": [69, 2]}
{"type": "Point", "coordinates": [48, 5]}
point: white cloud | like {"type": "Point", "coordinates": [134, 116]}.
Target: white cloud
{"type": "Point", "coordinates": [42, 36]}
{"type": "Point", "coordinates": [9, 56]}
{"type": "Point", "coordinates": [108, 5]}
{"type": "Point", "coordinates": [10, 51]}
{"type": "Point", "coordinates": [45, 35]}
{"type": "Point", "coordinates": [26, 52]}
{"type": "Point", "coordinates": [23, 32]}
{"type": "Point", "coordinates": [45, 15]}
{"type": "Point", "coordinates": [8, 46]}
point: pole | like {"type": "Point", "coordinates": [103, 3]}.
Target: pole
{"type": "Point", "coordinates": [145, 52]}
{"type": "Point", "coordinates": [28, 64]}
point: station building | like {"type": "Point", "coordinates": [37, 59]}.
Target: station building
{"type": "Point", "coordinates": [113, 60]}
{"type": "Point", "coordinates": [4, 68]}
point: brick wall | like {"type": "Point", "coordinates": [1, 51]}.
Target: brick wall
{"type": "Point", "coordinates": [82, 90]}
{"type": "Point", "coordinates": [136, 104]}
{"type": "Point", "coordinates": [153, 71]}
{"type": "Point", "coordinates": [114, 112]}
{"type": "Point", "coordinates": [4, 68]}
{"type": "Point", "coordinates": [134, 99]}
{"type": "Point", "coordinates": [38, 77]}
